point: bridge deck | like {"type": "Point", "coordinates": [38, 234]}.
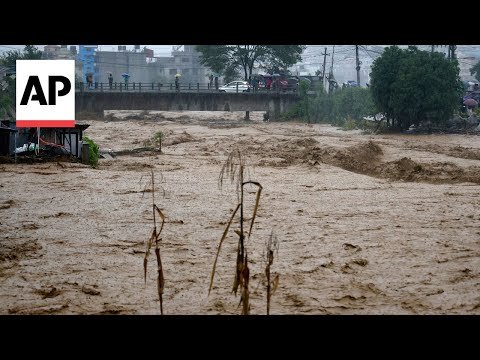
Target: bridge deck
{"type": "Point", "coordinates": [97, 102]}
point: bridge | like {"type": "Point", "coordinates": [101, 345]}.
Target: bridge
{"type": "Point", "coordinates": [93, 103]}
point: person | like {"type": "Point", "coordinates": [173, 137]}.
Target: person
{"type": "Point", "coordinates": [210, 78]}
{"type": "Point", "coordinates": [110, 80]}
{"type": "Point", "coordinates": [274, 84]}
{"type": "Point", "coordinates": [90, 81]}
{"type": "Point", "coordinates": [216, 82]}
{"type": "Point", "coordinates": [126, 82]}
{"type": "Point", "coordinates": [177, 84]}
{"type": "Point", "coordinates": [268, 83]}
{"type": "Point", "coordinates": [255, 84]}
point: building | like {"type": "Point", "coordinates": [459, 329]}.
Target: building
{"type": "Point", "coordinates": [7, 138]}
{"type": "Point", "coordinates": [86, 55]}
{"type": "Point", "coordinates": [121, 62]}
{"type": "Point", "coordinates": [148, 52]}
{"type": "Point", "coordinates": [55, 52]}
{"type": "Point", "coordinates": [64, 140]}
{"type": "Point", "coordinates": [143, 67]}
{"type": "Point", "coordinates": [187, 63]}
{"type": "Point", "coordinates": [50, 51]}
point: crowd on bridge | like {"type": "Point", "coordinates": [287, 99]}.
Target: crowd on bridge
{"type": "Point", "coordinates": [257, 82]}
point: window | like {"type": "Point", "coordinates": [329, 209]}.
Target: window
{"type": "Point", "coordinates": [185, 60]}
{"type": "Point", "coordinates": [173, 71]}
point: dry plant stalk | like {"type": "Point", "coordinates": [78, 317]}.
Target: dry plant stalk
{"type": "Point", "coordinates": [272, 248]}
{"type": "Point", "coordinates": [234, 168]}
{"type": "Point", "coordinates": [155, 236]}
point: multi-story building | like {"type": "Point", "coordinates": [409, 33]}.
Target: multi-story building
{"type": "Point", "coordinates": [86, 55]}
{"type": "Point", "coordinates": [55, 52]}
{"type": "Point", "coordinates": [143, 67]}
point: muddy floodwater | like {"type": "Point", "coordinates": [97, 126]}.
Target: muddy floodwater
{"type": "Point", "coordinates": [367, 224]}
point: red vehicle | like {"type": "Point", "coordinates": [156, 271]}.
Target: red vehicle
{"type": "Point", "coordinates": [276, 82]}
{"type": "Point", "coordinates": [290, 84]}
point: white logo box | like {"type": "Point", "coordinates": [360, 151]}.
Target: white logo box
{"type": "Point", "coordinates": [33, 113]}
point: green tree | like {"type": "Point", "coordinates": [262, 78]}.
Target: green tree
{"type": "Point", "coordinates": [382, 79]}
{"type": "Point", "coordinates": [94, 154]}
{"type": "Point", "coordinates": [410, 85]}
{"type": "Point", "coordinates": [7, 86]}
{"type": "Point", "coordinates": [230, 74]}
{"type": "Point", "coordinates": [7, 98]}
{"type": "Point", "coordinates": [476, 71]}
{"type": "Point", "coordinates": [231, 59]}
{"type": "Point", "coordinates": [29, 52]}
{"type": "Point", "coordinates": [352, 103]}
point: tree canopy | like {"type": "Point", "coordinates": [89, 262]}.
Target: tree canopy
{"type": "Point", "coordinates": [232, 60]}
{"type": "Point", "coordinates": [410, 85]}
{"type": "Point", "coordinates": [7, 85]}
{"type": "Point", "coordinates": [30, 52]}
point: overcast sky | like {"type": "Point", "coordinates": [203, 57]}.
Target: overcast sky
{"type": "Point", "coordinates": [160, 50]}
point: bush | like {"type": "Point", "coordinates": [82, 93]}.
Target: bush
{"type": "Point", "coordinates": [157, 138]}
{"type": "Point", "coordinates": [342, 105]}
{"type": "Point", "coordinates": [93, 151]}
{"type": "Point", "coordinates": [350, 124]}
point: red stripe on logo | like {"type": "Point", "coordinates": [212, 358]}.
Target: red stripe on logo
{"type": "Point", "coordinates": [45, 123]}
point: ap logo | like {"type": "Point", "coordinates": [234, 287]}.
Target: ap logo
{"type": "Point", "coordinates": [45, 93]}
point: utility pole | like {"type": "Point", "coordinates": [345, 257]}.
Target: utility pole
{"type": "Point", "coordinates": [451, 52]}
{"type": "Point", "coordinates": [330, 75]}
{"type": "Point", "coordinates": [331, 67]}
{"type": "Point", "coordinates": [358, 66]}
{"type": "Point", "coordinates": [324, 62]}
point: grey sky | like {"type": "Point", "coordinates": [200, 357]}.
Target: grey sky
{"type": "Point", "coordinates": [160, 50]}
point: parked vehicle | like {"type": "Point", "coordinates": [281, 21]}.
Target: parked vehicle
{"type": "Point", "coordinates": [231, 87]}
{"type": "Point", "coordinates": [350, 83]}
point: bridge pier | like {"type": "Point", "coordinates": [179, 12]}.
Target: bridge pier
{"type": "Point", "coordinates": [275, 108]}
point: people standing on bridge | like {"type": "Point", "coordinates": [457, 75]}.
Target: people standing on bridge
{"type": "Point", "coordinates": [255, 84]}
{"type": "Point", "coordinates": [110, 80]}
{"type": "Point", "coordinates": [268, 83]}
{"type": "Point", "coordinates": [90, 81]}
{"type": "Point", "coordinates": [210, 79]}
{"type": "Point", "coordinates": [177, 83]}
{"type": "Point", "coordinates": [126, 82]}
{"type": "Point", "coordinates": [216, 82]}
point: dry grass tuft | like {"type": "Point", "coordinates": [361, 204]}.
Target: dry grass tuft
{"type": "Point", "coordinates": [272, 249]}
{"type": "Point", "coordinates": [155, 238]}
{"type": "Point", "coordinates": [234, 169]}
